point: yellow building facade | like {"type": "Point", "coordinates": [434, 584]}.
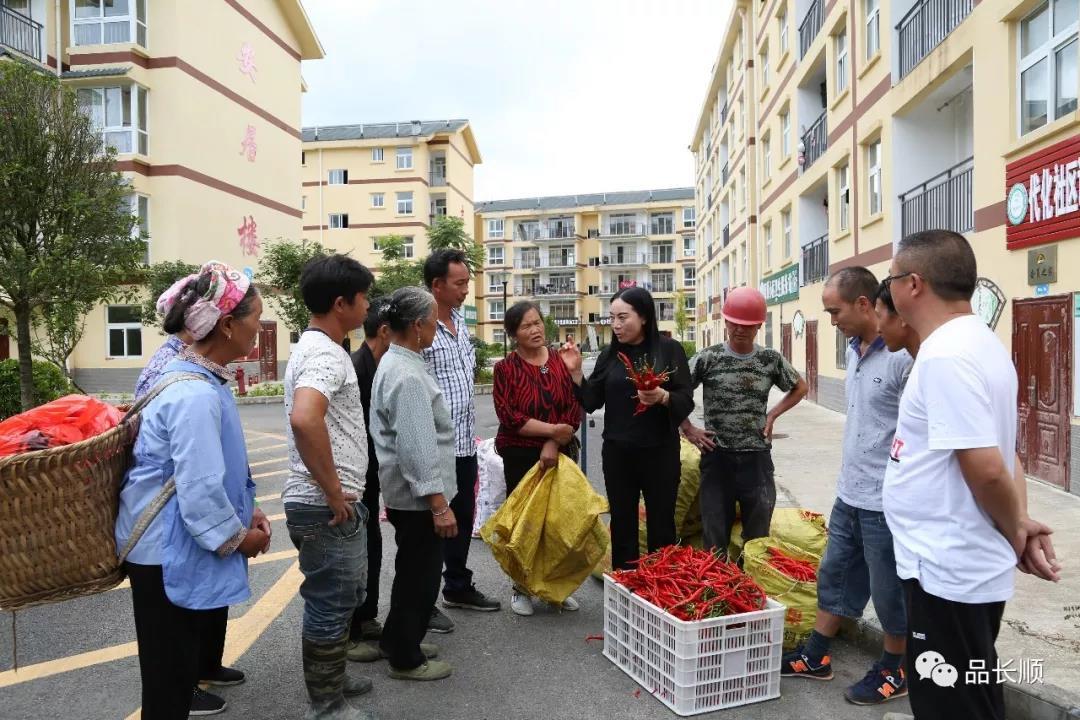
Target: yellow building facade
{"type": "Point", "coordinates": [202, 102]}
{"type": "Point", "coordinates": [571, 253]}
{"type": "Point", "coordinates": [863, 131]}
{"type": "Point", "coordinates": [367, 181]}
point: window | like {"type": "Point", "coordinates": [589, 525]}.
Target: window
{"type": "Point", "coordinates": [378, 200]}
{"type": "Point", "coordinates": [663, 280]}
{"type": "Point", "coordinates": [688, 217]}
{"type": "Point", "coordinates": [785, 134]}
{"type": "Point", "coordinates": [662, 252]}
{"type": "Point", "coordinates": [404, 158]}
{"type": "Point", "coordinates": [742, 185]}
{"type": "Point", "coordinates": [690, 333]}
{"type": "Point", "coordinates": [665, 310]}
{"type": "Point", "coordinates": [688, 246]}
{"type": "Point", "coordinates": [842, 195]}
{"type": "Point", "coordinates": [495, 255]}
{"type": "Point", "coordinates": [785, 226]}
{"type": "Point", "coordinates": [662, 223]}
{"type": "Point", "coordinates": [119, 113]}
{"type": "Point", "coordinates": [499, 336]}
{"type": "Point", "coordinates": [873, 27]}
{"type": "Point", "coordinates": [338, 177]}
{"type": "Point", "coordinates": [103, 22]}
{"type": "Point", "coordinates": [140, 207]}
{"type": "Point", "coordinates": [407, 247]}
{"type": "Point", "coordinates": [768, 245]}
{"type": "Point", "coordinates": [404, 203]}
{"type": "Point", "coordinates": [377, 155]}
{"type": "Point", "coordinates": [841, 350]}
{"type": "Point", "coordinates": [376, 244]}
{"type": "Point", "coordinates": [781, 20]}
{"type": "Point", "coordinates": [495, 281]}
{"type": "Point", "coordinates": [124, 331]}
{"type": "Point", "coordinates": [688, 303]}
{"type": "Point", "coordinates": [765, 69]}
{"type": "Point", "coordinates": [689, 277]}
{"type": "Point", "coordinates": [495, 229]}
{"type": "Point", "coordinates": [496, 308]}
{"type": "Point", "coordinates": [766, 158]}
{"type": "Point", "coordinates": [303, 158]}
{"type": "Point", "coordinates": [303, 202]}
{"type": "Point", "coordinates": [873, 166]}
{"type": "Point", "coordinates": [1048, 63]}
{"type": "Point", "coordinates": [339, 221]}
{"type": "Point", "coordinates": [841, 63]}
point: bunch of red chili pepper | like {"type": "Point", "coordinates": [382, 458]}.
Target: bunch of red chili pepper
{"type": "Point", "coordinates": [692, 584]}
{"type": "Point", "coordinates": [644, 377]}
{"type": "Point", "coordinates": [801, 570]}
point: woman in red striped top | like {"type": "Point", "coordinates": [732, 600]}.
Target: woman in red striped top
{"type": "Point", "coordinates": [537, 408]}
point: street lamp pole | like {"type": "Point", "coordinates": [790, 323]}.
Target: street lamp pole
{"type": "Point", "coordinates": [505, 341]}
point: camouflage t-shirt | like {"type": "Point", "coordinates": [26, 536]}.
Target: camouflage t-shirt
{"type": "Point", "coordinates": [736, 390]}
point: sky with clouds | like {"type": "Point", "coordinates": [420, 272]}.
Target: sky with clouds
{"type": "Point", "coordinates": [564, 96]}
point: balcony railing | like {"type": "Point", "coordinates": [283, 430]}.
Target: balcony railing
{"type": "Point", "coordinates": [665, 227]}
{"type": "Point", "coordinates": [558, 232]}
{"type": "Point", "coordinates": [611, 288]}
{"type": "Point", "coordinates": [661, 258]}
{"type": "Point", "coordinates": [557, 288]}
{"type": "Point", "coordinates": [567, 320]}
{"type": "Point", "coordinates": [943, 201]}
{"type": "Point", "coordinates": [811, 26]}
{"type": "Point", "coordinates": [815, 260]}
{"type": "Point", "coordinates": [526, 289]}
{"type": "Point", "coordinates": [624, 259]}
{"type": "Point", "coordinates": [815, 142]}
{"type": "Point", "coordinates": [926, 24]}
{"type": "Point", "coordinates": [624, 229]}
{"type": "Point", "coordinates": [438, 179]}
{"type": "Point", "coordinates": [20, 33]}
{"type": "Point", "coordinates": [529, 262]}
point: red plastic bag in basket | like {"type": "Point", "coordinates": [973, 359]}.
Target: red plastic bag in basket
{"type": "Point", "coordinates": [70, 419]}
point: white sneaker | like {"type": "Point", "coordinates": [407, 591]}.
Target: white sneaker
{"type": "Point", "coordinates": [570, 605]}
{"type": "Point", "coordinates": [521, 604]}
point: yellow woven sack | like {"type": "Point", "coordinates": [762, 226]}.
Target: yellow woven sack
{"type": "Point", "coordinates": [799, 597]}
{"type": "Point", "coordinates": [548, 535]}
{"type": "Point", "coordinates": [804, 529]}
{"type": "Point", "coordinates": [688, 502]}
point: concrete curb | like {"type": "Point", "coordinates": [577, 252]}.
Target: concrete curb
{"type": "Point", "coordinates": [1022, 702]}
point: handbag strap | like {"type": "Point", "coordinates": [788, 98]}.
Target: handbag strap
{"type": "Point", "coordinates": [168, 489]}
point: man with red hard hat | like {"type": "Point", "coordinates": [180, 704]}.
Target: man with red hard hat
{"type": "Point", "coordinates": [736, 457]}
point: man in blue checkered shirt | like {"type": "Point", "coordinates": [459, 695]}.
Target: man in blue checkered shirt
{"type": "Point", "coordinates": [451, 359]}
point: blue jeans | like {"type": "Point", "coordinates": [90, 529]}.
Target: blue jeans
{"type": "Point", "coordinates": [859, 564]}
{"type": "Point", "coordinates": [334, 563]}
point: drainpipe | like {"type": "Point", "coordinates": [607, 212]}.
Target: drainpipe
{"type": "Point", "coordinates": [59, 33]}
{"type": "Point", "coordinates": [322, 213]}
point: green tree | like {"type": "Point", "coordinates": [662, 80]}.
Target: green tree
{"type": "Point", "coordinates": [682, 318]}
{"type": "Point", "coordinates": [449, 233]}
{"type": "Point", "coordinates": [279, 273]}
{"type": "Point", "coordinates": [58, 327]}
{"type": "Point", "coordinates": [159, 278]}
{"type": "Point", "coordinates": [551, 330]}
{"type": "Point", "coordinates": [396, 270]}
{"type": "Point", "coordinates": [66, 227]}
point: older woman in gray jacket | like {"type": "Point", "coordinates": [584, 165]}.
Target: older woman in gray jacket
{"type": "Point", "coordinates": [414, 441]}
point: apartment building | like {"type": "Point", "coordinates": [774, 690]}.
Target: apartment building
{"type": "Point", "coordinates": [865, 132]}
{"type": "Point", "coordinates": [365, 182]}
{"type": "Point", "coordinates": [571, 253]}
{"type": "Point", "coordinates": [202, 102]}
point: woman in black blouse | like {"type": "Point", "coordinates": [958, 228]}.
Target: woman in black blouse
{"type": "Point", "coordinates": [640, 452]}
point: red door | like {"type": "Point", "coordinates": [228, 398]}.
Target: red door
{"type": "Point", "coordinates": [785, 340]}
{"type": "Point", "coordinates": [268, 350]}
{"type": "Point", "coordinates": [1042, 352]}
{"type": "Point", "coordinates": [811, 359]}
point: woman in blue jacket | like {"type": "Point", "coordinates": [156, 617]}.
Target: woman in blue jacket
{"type": "Point", "coordinates": [191, 562]}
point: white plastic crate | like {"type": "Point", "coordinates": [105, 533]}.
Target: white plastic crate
{"type": "Point", "coordinates": [694, 666]}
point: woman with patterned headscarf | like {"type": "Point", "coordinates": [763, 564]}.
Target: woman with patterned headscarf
{"type": "Point", "coordinates": [190, 563]}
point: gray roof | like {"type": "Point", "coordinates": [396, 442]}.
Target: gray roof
{"type": "Point", "coordinates": [96, 72]}
{"type": "Point", "coordinates": [369, 131]}
{"type": "Point", "coordinates": [558, 202]}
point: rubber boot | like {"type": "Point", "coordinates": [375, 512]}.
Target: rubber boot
{"type": "Point", "coordinates": [324, 676]}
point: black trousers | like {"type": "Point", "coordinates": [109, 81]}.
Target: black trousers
{"type": "Point", "coordinates": [728, 477]}
{"type": "Point", "coordinates": [517, 461]}
{"type": "Point", "coordinates": [369, 609]}
{"type": "Point", "coordinates": [458, 577]}
{"type": "Point", "coordinates": [174, 644]}
{"type": "Point", "coordinates": [959, 633]}
{"type": "Point", "coordinates": [629, 473]}
{"type": "Point", "coordinates": [416, 585]}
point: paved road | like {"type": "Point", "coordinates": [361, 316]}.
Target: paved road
{"type": "Point", "coordinates": [77, 659]}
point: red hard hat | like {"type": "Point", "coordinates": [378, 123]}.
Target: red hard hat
{"type": "Point", "coordinates": [744, 306]}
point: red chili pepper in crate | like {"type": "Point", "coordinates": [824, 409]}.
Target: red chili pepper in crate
{"type": "Point", "coordinates": [692, 584]}
{"type": "Point", "coordinates": [644, 377]}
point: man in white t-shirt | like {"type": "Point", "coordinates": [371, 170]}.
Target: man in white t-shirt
{"type": "Point", "coordinates": [955, 496]}
{"type": "Point", "coordinates": [327, 467]}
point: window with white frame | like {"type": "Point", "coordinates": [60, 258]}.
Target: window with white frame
{"type": "Point", "coordinates": [496, 308]}
{"type": "Point", "coordinates": [742, 187]}
{"type": "Point", "coordinates": [496, 255]}
{"type": "Point", "coordinates": [768, 244]}
{"type": "Point", "coordinates": [376, 243]}
{"type": "Point", "coordinates": [123, 330]}
{"type": "Point", "coordinates": [689, 217]}
{"type": "Point", "coordinates": [104, 22]}
{"type": "Point", "coordinates": [764, 68]}
{"type": "Point", "coordinates": [785, 227]}
{"type": "Point", "coordinates": [689, 332]}
{"type": "Point", "coordinates": [378, 200]}
{"type": "Point", "coordinates": [140, 208]}
{"type": "Point", "coordinates": [404, 158]}
{"type": "Point", "coordinates": [842, 195]}
{"type": "Point", "coordinates": [376, 154]}
{"type": "Point", "coordinates": [688, 302]}
{"type": "Point", "coordinates": [785, 134]}
{"type": "Point", "coordinates": [766, 158]}
{"type": "Point", "coordinates": [688, 246]}
{"type": "Point", "coordinates": [689, 276]}
{"type": "Point", "coordinates": [781, 21]}
{"type": "Point", "coordinates": [873, 27]}
{"type": "Point", "coordinates": [405, 203]}
{"type": "Point", "coordinates": [495, 229]}
{"type": "Point", "coordinates": [1047, 72]}
{"type": "Point", "coordinates": [495, 281]}
{"type": "Point", "coordinates": [408, 248]}
{"type": "Point", "coordinates": [339, 221]}
{"type": "Point", "coordinates": [841, 63]}
{"type": "Point", "coordinates": [119, 113]}
{"type": "Point", "coordinates": [873, 176]}
{"type": "Point", "coordinates": [338, 177]}
{"type": "Point", "coordinates": [498, 335]}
